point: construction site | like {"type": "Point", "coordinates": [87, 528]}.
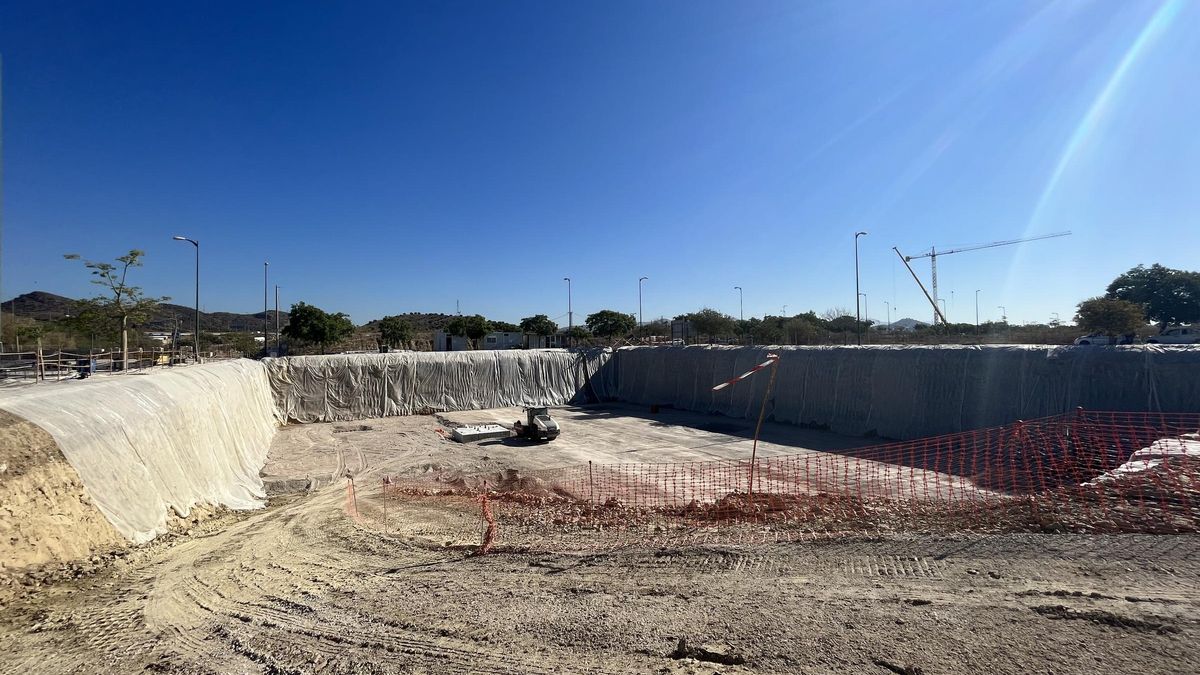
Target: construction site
{"type": "Point", "coordinates": [646, 509]}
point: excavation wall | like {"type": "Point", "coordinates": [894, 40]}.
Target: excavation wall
{"type": "Point", "coordinates": [910, 392]}
{"type": "Point", "coordinates": [359, 386]}
{"type": "Point", "coordinates": [150, 447]}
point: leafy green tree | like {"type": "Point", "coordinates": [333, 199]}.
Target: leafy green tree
{"type": "Point", "coordinates": [473, 327]}
{"type": "Point", "coordinates": [313, 325]}
{"type": "Point", "coordinates": [120, 303]}
{"type": "Point", "coordinates": [578, 333]}
{"type": "Point", "coordinates": [1109, 316]}
{"type": "Point", "coordinates": [394, 330]}
{"type": "Point", "coordinates": [608, 324]}
{"type": "Point", "coordinates": [1167, 295]}
{"type": "Point", "coordinates": [711, 323]}
{"type": "Point", "coordinates": [539, 324]}
{"type": "Point", "coordinates": [505, 327]}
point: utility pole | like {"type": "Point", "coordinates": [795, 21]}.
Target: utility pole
{"type": "Point", "coordinates": [977, 310]}
{"type": "Point", "coordinates": [889, 314]}
{"type": "Point", "coordinates": [857, 312]}
{"type": "Point", "coordinates": [741, 317]}
{"type": "Point", "coordinates": [640, 280]}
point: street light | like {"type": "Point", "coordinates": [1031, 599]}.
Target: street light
{"type": "Point", "coordinates": [265, 333]}
{"type": "Point", "coordinates": [570, 314]}
{"type": "Point", "coordinates": [977, 310]}
{"type": "Point", "coordinates": [857, 313]}
{"type": "Point", "coordinates": [196, 337]}
{"type": "Point", "coordinates": [640, 280]}
{"type": "Point", "coordinates": [741, 317]}
{"type": "Point", "coordinates": [276, 320]}
{"type": "Point", "coordinates": [889, 314]}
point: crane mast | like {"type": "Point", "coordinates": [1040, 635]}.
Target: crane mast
{"type": "Point", "coordinates": [933, 256]}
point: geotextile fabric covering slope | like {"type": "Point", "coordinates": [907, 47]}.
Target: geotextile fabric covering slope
{"type": "Point", "coordinates": [145, 444]}
{"type": "Point", "coordinates": [359, 386]}
{"type": "Point", "coordinates": [907, 392]}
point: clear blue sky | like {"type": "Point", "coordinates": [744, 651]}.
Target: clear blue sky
{"type": "Point", "coordinates": [390, 157]}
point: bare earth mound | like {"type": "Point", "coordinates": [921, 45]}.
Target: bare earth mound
{"type": "Point", "coordinates": [45, 513]}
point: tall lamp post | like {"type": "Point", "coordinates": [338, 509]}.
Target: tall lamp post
{"type": "Point", "coordinates": [570, 314]}
{"type": "Point", "coordinates": [265, 330]}
{"type": "Point", "coordinates": [196, 336]}
{"type": "Point", "coordinates": [741, 317]}
{"type": "Point", "coordinates": [857, 312]}
{"type": "Point", "coordinates": [888, 305]}
{"type": "Point", "coordinates": [276, 319]}
{"type": "Point", "coordinates": [977, 310]}
{"type": "Point", "coordinates": [640, 280]}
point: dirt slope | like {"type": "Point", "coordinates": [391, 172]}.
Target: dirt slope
{"type": "Point", "coordinates": [45, 513]}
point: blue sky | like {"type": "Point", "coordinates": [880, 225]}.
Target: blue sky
{"type": "Point", "coordinates": [389, 157]}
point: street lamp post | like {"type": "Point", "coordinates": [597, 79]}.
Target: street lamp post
{"type": "Point", "coordinates": [889, 314]}
{"type": "Point", "coordinates": [741, 316]}
{"type": "Point", "coordinates": [276, 319]}
{"type": "Point", "coordinates": [196, 336]}
{"type": "Point", "coordinates": [640, 280]}
{"type": "Point", "coordinates": [265, 331]}
{"type": "Point", "coordinates": [977, 310]}
{"type": "Point", "coordinates": [570, 314]}
{"type": "Point", "coordinates": [857, 312]}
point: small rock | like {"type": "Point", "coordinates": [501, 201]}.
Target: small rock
{"type": "Point", "coordinates": [972, 571]}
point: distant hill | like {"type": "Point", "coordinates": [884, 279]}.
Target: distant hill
{"type": "Point", "coordinates": [903, 324]}
{"type": "Point", "coordinates": [49, 307]}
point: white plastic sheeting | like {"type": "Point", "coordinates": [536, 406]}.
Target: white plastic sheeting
{"type": "Point", "coordinates": [1145, 459]}
{"type": "Point", "coordinates": [359, 386]}
{"type": "Point", "coordinates": [911, 392]}
{"type": "Point", "coordinates": [146, 444]}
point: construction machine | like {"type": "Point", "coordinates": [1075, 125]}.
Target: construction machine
{"type": "Point", "coordinates": [538, 425]}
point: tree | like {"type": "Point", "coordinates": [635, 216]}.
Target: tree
{"type": "Point", "coordinates": [121, 302]}
{"type": "Point", "coordinates": [539, 324]}
{"type": "Point", "coordinates": [1111, 317]}
{"type": "Point", "coordinates": [394, 330]}
{"type": "Point", "coordinates": [1167, 295]}
{"type": "Point", "coordinates": [608, 324]}
{"type": "Point", "coordinates": [505, 327]}
{"type": "Point", "coordinates": [473, 327]}
{"type": "Point", "coordinates": [313, 325]}
{"type": "Point", "coordinates": [712, 323]}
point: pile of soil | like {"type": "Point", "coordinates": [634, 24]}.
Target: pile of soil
{"type": "Point", "coordinates": [46, 515]}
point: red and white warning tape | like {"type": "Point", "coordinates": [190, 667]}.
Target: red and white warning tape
{"type": "Point", "coordinates": [772, 359]}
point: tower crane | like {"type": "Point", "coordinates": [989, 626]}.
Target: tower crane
{"type": "Point", "coordinates": [933, 256]}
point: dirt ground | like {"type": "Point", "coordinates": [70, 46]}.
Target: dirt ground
{"type": "Point", "coordinates": [301, 587]}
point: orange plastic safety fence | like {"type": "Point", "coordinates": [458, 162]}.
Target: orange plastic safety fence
{"type": "Point", "coordinates": [1082, 471]}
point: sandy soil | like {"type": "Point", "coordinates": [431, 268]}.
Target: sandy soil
{"type": "Point", "coordinates": [302, 587]}
{"type": "Point", "coordinates": [45, 513]}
